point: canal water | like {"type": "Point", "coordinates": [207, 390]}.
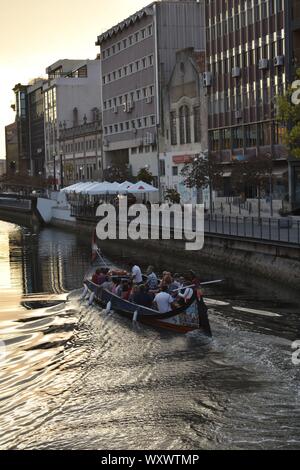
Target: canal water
{"type": "Point", "coordinates": [72, 377]}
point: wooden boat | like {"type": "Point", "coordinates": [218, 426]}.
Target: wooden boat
{"type": "Point", "coordinates": [189, 317]}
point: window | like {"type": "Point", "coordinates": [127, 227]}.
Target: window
{"type": "Point", "coordinates": [175, 170]}
{"type": "Point", "coordinates": [173, 128]}
{"type": "Point", "coordinates": [150, 30]}
{"type": "Point", "coordinates": [197, 124]}
{"type": "Point", "coordinates": [184, 125]}
{"type": "Point", "coordinates": [162, 168]}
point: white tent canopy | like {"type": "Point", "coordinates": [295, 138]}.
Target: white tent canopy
{"type": "Point", "coordinates": [142, 188]}
{"type": "Point", "coordinates": [71, 188]}
{"type": "Point", "coordinates": [96, 188]}
{"type": "Point", "coordinates": [84, 188]}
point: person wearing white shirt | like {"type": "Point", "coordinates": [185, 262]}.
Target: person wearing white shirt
{"type": "Point", "coordinates": [136, 274]}
{"type": "Point", "coordinates": [163, 300]}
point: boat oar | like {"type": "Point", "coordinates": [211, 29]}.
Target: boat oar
{"type": "Point", "coordinates": [211, 282]}
{"type": "Point", "coordinates": [201, 284]}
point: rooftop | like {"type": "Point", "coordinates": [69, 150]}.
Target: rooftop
{"type": "Point", "coordinates": [146, 11]}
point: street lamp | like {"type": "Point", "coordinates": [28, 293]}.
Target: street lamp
{"type": "Point", "coordinates": [54, 172]}
{"type": "Point", "coordinates": [268, 155]}
{"type": "Point", "coordinates": [61, 170]}
{"type": "Point", "coordinates": [81, 171]}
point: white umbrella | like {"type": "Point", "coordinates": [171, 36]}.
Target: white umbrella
{"type": "Point", "coordinates": [126, 185]}
{"type": "Point", "coordinates": [86, 189]}
{"type": "Point", "coordinates": [83, 187]}
{"type": "Point", "coordinates": [98, 189]}
{"type": "Point", "coordinates": [71, 188]}
{"type": "Point", "coordinates": [115, 188]}
{"type": "Point", "coordinates": [141, 188]}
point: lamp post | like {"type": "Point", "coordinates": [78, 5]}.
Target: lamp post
{"type": "Point", "coordinates": [268, 155]}
{"type": "Point", "coordinates": [81, 172]}
{"type": "Point", "coordinates": [54, 172]}
{"type": "Point", "coordinates": [61, 170]}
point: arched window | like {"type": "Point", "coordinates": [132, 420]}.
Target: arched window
{"type": "Point", "coordinates": [181, 125]}
{"type": "Point", "coordinates": [75, 117]}
{"type": "Point", "coordinates": [185, 125]}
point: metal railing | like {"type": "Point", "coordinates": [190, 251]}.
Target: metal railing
{"type": "Point", "coordinates": [285, 230]}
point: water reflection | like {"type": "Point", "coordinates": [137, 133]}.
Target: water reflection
{"type": "Point", "coordinates": [73, 377]}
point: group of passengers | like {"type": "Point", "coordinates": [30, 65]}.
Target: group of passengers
{"type": "Point", "coordinates": [170, 292]}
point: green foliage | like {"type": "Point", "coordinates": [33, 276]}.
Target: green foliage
{"type": "Point", "coordinates": [255, 171]}
{"type": "Point", "coordinates": [288, 116]}
{"type": "Point", "coordinates": [203, 172]}
{"type": "Point", "coordinates": [116, 173]}
{"type": "Point", "coordinates": [145, 175]}
{"type": "Point", "coordinates": [172, 196]}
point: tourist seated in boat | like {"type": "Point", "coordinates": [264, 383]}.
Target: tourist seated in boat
{"type": "Point", "coordinates": [163, 300]}
{"type": "Point", "coordinates": [142, 297]}
{"type": "Point", "coordinates": [99, 277]}
{"type": "Point", "coordinates": [136, 273]}
{"type": "Point", "coordinates": [116, 286]}
{"type": "Point", "coordinates": [185, 294]}
{"type": "Point", "coordinates": [125, 289]}
{"type": "Point", "coordinates": [134, 291]}
{"type": "Point", "coordinates": [152, 281]}
{"type": "Point", "coordinates": [166, 280]}
{"type": "Point", "coordinates": [108, 284]}
{"type": "Point", "coordinates": [175, 285]}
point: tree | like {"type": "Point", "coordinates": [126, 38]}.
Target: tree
{"type": "Point", "coordinates": [288, 116]}
{"type": "Point", "coordinates": [205, 171]}
{"type": "Point", "coordinates": [116, 173]}
{"type": "Point", "coordinates": [256, 171]}
{"type": "Point", "coordinates": [145, 175]}
{"type": "Point", "coordinates": [172, 196]}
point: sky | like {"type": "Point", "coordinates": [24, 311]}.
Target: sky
{"type": "Point", "coordinates": [35, 34]}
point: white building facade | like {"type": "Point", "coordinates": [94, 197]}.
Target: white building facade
{"type": "Point", "coordinates": [72, 96]}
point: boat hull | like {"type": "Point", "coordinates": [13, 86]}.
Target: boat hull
{"type": "Point", "coordinates": [190, 317]}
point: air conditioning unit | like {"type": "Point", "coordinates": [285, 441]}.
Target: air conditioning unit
{"type": "Point", "coordinates": [263, 64]}
{"type": "Point", "coordinates": [279, 61]}
{"type": "Point", "coordinates": [236, 72]}
{"type": "Point", "coordinates": [115, 109]}
{"type": "Point", "coordinates": [129, 106]}
{"type": "Point", "coordinates": [238, 114]}
{"type": "Point", "coordinates": [149, 99]}
{"type": "Point", "coordinates": [207, 79]}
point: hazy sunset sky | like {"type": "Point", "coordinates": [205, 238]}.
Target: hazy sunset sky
{"type": "Point", "coordinates": [34, 34]}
